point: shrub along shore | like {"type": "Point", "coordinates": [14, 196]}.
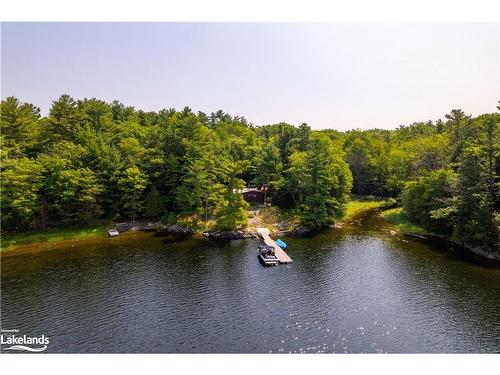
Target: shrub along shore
{"type": "Point", "coordinates": [404, 224]}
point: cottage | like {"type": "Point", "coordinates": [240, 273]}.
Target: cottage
{"type": "Point", "coordinates": [253, 195]}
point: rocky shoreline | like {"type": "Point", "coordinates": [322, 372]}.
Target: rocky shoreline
{"type": "Point", "coordinates": [485, 253]}
{"type": "Point", "coordinates": [238, 234]}
{"type": "Point", "coordinates": [474, 250]}
{"type": "Point", "coordinates": [229, 235]}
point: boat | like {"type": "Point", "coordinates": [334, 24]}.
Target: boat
{"type": "Point", "coordinates": [281, 244]}
{"type": "Point", "coordinates": [112, 232]}
{"type": "Point", "coordinates": [267, 256]}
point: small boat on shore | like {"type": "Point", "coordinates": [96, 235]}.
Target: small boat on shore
{"type": "Point", "coordinates": [281, 244]}
{"type": "Point", "coordinates": [267, 256]}
{"type": "Point", "coordinates": [112, 232]}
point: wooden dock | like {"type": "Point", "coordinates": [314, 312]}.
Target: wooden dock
{"type": "Point", "coordinates": [278, 251]}
{"type": "Point", "coordinates": [122, 227]}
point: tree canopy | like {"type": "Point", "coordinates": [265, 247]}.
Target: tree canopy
{"type": "Point", "coordinates": [91, 161]}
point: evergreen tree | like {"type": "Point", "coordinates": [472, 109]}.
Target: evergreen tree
{"type": "Point", "coordinates": [326, 180]}
{"type": "Point", "coordinates": [154, 204]}
{"type": "Point", "coordinates": [64, 121]}
{"type": "Point", "coordinates": [19, 126]}
{"type": "Point", "coordinates": [476, 224]}
{"type": "Point", "coordinates": [267, 166]}
{"type": "Point", "coordinates": [21, 181]}
{"type": "Point", "coordinates": [132, 183]}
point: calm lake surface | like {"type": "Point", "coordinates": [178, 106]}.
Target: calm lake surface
{"type": "Point", "coordinates": [355, 290]}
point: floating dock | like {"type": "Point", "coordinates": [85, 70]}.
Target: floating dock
{"type": "Point", "coordinates": [278, 251]}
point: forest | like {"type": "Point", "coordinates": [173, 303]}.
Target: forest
{"type": "Point", "coordinates": [89, 161]}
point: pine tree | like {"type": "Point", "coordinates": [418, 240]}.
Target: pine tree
{"type": "Point", "coordinates": [326, 180]}
{"type": "Point", "coordinates": [132, 183]}
{"type": "Point", "coordinates": [475, 218]}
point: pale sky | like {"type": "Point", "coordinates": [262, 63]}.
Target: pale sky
{"type": "Point", "coordinates": [338, 76]}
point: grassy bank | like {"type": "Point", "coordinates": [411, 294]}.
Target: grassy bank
{"type": "Point", "coordinates": [403, 223]}
{"type": "Point", "coordinates": [278, 219]}
{"type": "Point", "coordinates": [52, 235]}
{"type": "Point", "coordinates": [357, 206]}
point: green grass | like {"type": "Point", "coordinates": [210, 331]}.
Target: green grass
{"type": "Point", "coordinates": [357, 206]}
{"type": "Point", "coordinates": [271, 217]}
{"type": "Point", "coordinates": [402, 222]}
{"type": "Point", "coordinates": [52, 235]}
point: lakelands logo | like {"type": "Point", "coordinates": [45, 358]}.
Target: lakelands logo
{"type": "Point", "coordinates": [11, 340]}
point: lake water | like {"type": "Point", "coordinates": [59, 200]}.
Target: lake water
{"type": "Point", "coordinates": [355, 290]}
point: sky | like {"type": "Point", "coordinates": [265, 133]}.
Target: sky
{"type": "Point", "coordinates": [339, 76]}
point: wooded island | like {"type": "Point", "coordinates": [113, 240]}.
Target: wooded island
{"type": "Point", "coordinates": [89, 162]}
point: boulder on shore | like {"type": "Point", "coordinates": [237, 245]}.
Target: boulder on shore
{"type": "Point", "coordinates": [175, 229]}
{"type": "Point", "coordinates": [302, 230]}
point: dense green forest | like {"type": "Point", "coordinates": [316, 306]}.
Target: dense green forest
{"type": "Point", "coordinates": [90, 161]}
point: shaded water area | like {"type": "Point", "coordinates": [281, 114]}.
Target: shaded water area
{"type": "Point", "coordinates": [354, 290]}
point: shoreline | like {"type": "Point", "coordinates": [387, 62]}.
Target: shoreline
{"type": "Point", "coordinates": [52, 235]}
{"type": "Point", "coordinates": [405, 226]}
{"type": "Point", "coordinates": [280, 222]}
{"type": "Point", "coordinates": [68, 244]}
